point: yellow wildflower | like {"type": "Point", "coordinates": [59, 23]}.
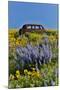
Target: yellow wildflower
{"type": "Point", "coordinates": [33, 73]}
{"type": "Point", "coordinates": [17, 72]}
{"type": "Point", "coordinates": [37, 74]}
{"type": "Point", "coordinates": [29, 73]}
{"type": "Point", "coordinates": [33, 69]}
{"type": "Point", "coordinates": [25, 71]}
{"type": "Point", "coordinates": [17, 43]}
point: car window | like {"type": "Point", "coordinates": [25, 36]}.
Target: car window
{"type": "Point", "coordinates": [28, 27]}
{"type": "Point", "coordinates": [37, 27]}
{"type": "Point", "coordinates": [33, 27]}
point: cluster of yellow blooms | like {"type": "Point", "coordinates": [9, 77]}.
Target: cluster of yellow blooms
{"type": "Point", "coordinates": [32, 73]}
{"type": "Point", "coordinates": [13, 42]}
{"type": "Point", "coordinates": [17, 74]}
{"type": "Point", "coordinates": [27, 73]}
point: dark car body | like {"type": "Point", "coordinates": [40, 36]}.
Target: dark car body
{"type": "Point", "coordinates": [31, 28]}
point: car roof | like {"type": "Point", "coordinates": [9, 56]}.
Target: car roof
{"type": "Point", "coordinates": [32, 25]}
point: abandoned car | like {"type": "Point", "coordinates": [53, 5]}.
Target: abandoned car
{"type": "Point", "coordinates": [31, 28]}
